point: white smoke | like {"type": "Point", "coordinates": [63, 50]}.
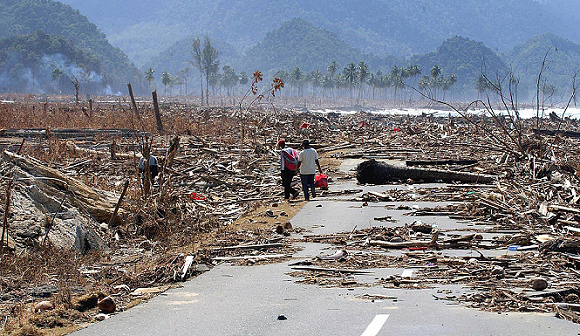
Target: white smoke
{"type": "Point", "coordinates": [15, 77]}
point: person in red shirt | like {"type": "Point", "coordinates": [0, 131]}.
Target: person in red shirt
{"type": "Point", "coordinates": [288, 168]}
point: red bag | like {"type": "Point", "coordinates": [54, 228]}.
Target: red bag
{"type": "Point", "coordinates": [321, 181]}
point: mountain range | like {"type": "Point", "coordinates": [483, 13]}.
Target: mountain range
{"type": "Point", "coordinates": [459, 36]}
{"type": "Point", "coordinates": [383, 27]}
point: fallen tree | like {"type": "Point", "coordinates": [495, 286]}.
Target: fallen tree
{"type": "Point", "coordinates": [99, 204]}
{"type": "Point", "coordinates": [375, 172]}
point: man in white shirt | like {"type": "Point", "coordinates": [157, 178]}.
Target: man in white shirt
{"type": "Point", "coordinates": [307, 163]}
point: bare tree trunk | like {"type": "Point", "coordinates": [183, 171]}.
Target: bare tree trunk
{"type": "Point", "coordinates": [133, 100]}
{"type": "Point", "coordinates": [5, 219]}
{"type": "Point", "coordinates": [157, 114]}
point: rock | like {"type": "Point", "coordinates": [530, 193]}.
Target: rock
{"type": "Point", "coordinates": [104, 227]}
{"type": "Point", "coordinates": [101, 317]}
{"type": "Point", "coordinates": [279, 229]}
{"type": "Point", "coordinates": [43, 305]}
{"type": "Point", "coordinates": [269, 213]}
{"type": "Point", "coordinates": [287, 226]}
{"type": "Point", "coordinates": [539, 284]}
{"type": "Point", "coordinates": [282, 317]}
{"type": "Point", "coordinates": [107, 305]}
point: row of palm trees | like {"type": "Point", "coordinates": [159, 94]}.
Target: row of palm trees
{"type": "Point", "coordinates": [354, 81]}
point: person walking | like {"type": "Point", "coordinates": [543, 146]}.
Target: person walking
{"type": "Point", "coordinates": [288, 167]}
{"type": "Point", "coordinates": [153, 168]}
{"type": "Point", "coordinates": [307, 163]}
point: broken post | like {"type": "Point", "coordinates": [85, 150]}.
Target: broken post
{"type": "Point", "coordinates": [157, 114]}
{"type": "Point", "coordinates": [114, 215]}
{"type": "Point", "coordinates": [133, 100]}
{"type": "Point", "coordinates": [5, 220]}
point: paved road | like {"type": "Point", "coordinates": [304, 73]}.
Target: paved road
{"type": "Point", "coordinates": [232, 300]}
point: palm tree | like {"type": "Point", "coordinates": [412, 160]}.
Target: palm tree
{"type": "Point", "coordinates": [150, 76]}
{"type": "Point", "coordinates": [165, 80]}
{"type": "Point", "coordinates": [435, 71]}
{"type": "Point", "coordinates": [296, 78]}
{"type": "Point", "coordinates": [332, 68]}
{"type": "Point", "coordinates": [184, 74]}
{"type": "Point", "coordinates": [363, 75]}
{"type": "Point", "coordinates": [396, 80]}
{"type": "Point", "coordinates": [315, 80]}
{"type": "Point", "coordinates": [350, 74]}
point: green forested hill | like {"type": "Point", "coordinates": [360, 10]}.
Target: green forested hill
{"type": "Point", "coordinates": [298, 43]}
{"type": "Point", "coordinates": [465, 58]}
{"type": "Point", "coordinates": [383, 27]}
{"type": "Point", "coordinates": [21, 17]}
{"type": "Point", "coordinates": [45, 63]}
{"type": "Point", "coordinates": [562, 62]}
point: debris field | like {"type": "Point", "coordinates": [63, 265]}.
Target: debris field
{"type": "Point", "coordinates": [84, 237]}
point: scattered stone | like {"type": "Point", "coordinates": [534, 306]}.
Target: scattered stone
{"type": "Point", "coordinates": [101, 317]}
{"type": "Point", "coordinates": [539, 284]}
{"type": "Point", "coordinates": [43, 305]}
{"type": "Point", "coordinates": [107, 305]}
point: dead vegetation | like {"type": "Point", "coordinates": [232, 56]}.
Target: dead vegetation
{"type": "Point", "coordinates": [218, 199]}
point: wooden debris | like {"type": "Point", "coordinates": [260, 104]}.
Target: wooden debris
{"type": "Point", "coordinates": [375, 172]}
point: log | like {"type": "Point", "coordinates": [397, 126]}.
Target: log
{"type": "Point", "coordinates": [403, 244]}
{"type": "Point", "coordinates": [375, 172]}
{"type": "Point", "coordinates": [568, 134]}
{"type": "Point", "coordinates": [255, 247]}
{"type": "Point", "coordinates": [99, 204]}
{"type": "Point", "coordinates": [253, 257]}
{"type": "Point", "coordinates": [561, 245]}
{"type": "Point", "coordinates": [100, 154]}
{"type": "Point", "coordinates": [439, 162]}
{"type": "Point", "coordinates": [334, 270]}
